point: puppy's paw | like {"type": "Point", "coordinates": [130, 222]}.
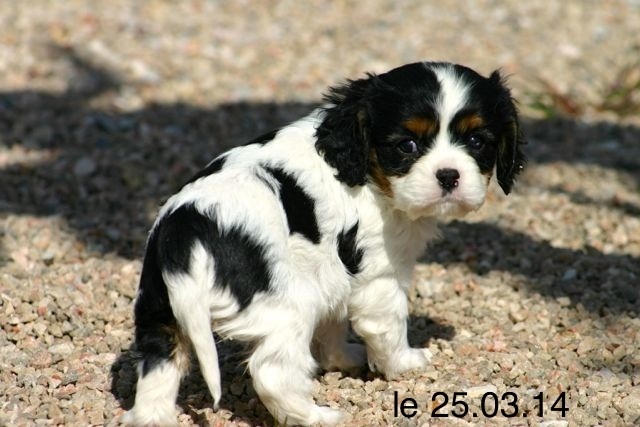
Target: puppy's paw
{"type": "Point", "coordinates": [325, 416]}
{"type": "Point", "coordinates": [137, 417]}
{"type": "Point", "coordinates": [127, 418]}
{"type": "Point", "coordinates": [411, 358]}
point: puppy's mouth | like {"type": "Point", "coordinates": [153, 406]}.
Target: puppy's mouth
{"type": "Point", "coordinates": [456, 203]}
{"type": "Point", "coordinates": [448, 205]}
{"type": "Point", "coordinates": [453, 201]}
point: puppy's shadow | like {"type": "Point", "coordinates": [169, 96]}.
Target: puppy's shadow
{"type": "Point", "coordinates": [238, 395]}
{"type": "Point", "coordinates": [422, 329]}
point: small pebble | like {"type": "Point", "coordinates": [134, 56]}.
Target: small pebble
{"type": "Point", "coordinates": [63, 349]}
{"type": "Point", "coordinates": [84, 167]}
{"type": "Point", "coordinates": [478, 391]}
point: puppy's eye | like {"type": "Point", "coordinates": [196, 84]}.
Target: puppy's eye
{"type": "Point", "coordinates": [408, 146]}
{"type": "Point", "coordinates": [476, 141]}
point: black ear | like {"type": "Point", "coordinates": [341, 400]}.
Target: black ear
{"type": "Point", "coordinates": [510, 161]}
{"type": "Point", "coordinates": [343, 137]}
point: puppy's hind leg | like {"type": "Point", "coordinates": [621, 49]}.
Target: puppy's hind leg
{"type": "Point", "coordinates": [164, 354]}
{"type": "Point", "coordinates": [159, 380]}
{"type": "Point", "coordinates": [281, 367]}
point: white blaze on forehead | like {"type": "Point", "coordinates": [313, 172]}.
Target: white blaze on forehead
{"type": "Point", "coordinates": [452, 98]}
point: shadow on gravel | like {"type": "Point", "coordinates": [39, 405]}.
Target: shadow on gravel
{"type": "Point", "coordinates": [104, 171]}
{"type": "Point", "coordinates": [580, 198]}
{"type": "Point", "coordinates": [601, 283]}
{"type": "Point", "coordinates": [606, 144]}
{"type": "Point", "coordinates": [237, 391]}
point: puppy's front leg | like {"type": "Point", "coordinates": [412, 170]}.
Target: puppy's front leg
{"type": "Point", "coordinates": [282, 366]}
{"type": "Point", "coordinates": [378, 314]}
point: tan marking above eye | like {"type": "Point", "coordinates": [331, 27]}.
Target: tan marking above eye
{"type": "Point", "coordinates": [469, 123]}
{"type": "Point", "coordinates": [420, 125]}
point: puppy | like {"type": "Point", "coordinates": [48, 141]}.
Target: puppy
{"type": "Point", "coordinates": [285, 241]}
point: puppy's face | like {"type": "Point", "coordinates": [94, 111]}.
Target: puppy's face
{"type": "Point", "coordinates": [428, 135]}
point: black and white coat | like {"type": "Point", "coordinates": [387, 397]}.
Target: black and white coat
{"type": "Point", "coordinates": [286, 241]}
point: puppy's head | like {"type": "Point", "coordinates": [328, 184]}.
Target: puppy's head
{"type": "Point", "coordinates": [427, 135]}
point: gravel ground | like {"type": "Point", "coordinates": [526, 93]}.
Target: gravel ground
{"type": "Point", "coordinates": [106, 107]}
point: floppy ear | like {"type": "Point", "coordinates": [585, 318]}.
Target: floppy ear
{"type": "Point", "coordinates": [343, 137]}
{"type": "Point", "coordinates": [510, 161]}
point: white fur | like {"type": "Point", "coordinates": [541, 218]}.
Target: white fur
{"type": "Point", "coordinates": [312, 296]}
{"type": "Point", "coordinates": [452, 96]}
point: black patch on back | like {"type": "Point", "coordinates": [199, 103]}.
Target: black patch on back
{"type": "Point", "coordinates": [213, 167]}
{"type": "Point", "coordinates": [240, 261]}
{"type": "Point", "coordinates": [154, 318]}
{"type": "Point", "coordinates": [348, 251]}
{"type": "Point", "coordinates": [263, 139]}
{"type": "Point", "coordinates": [298, 205]}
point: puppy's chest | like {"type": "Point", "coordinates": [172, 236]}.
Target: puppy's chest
{"type": "Point", "coordinates": [360, 252]}
{"type": "Point", "coordinates": [391, 245]}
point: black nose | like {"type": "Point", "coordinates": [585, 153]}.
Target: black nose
{"type": "Point", "coordinates": [448, 178]}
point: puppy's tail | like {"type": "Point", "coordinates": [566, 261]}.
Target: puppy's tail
{"type": "Point", "coordinates": [195, 320]}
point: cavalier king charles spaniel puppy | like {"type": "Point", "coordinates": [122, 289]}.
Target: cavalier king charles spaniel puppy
{"type": "Point", "coordinates": [287, 241]}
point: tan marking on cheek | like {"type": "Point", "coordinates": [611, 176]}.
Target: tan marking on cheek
{"type": "Point", "coordinates": [488, 176]}
{"type": "Point", "coordinates": [490, 196]}
{"type": "Point", "coordinates": [378, 176]}
{"type": "Point", "coordinates": [420, 126]}
{"type": "Point", "coordinates": [469, 123]}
